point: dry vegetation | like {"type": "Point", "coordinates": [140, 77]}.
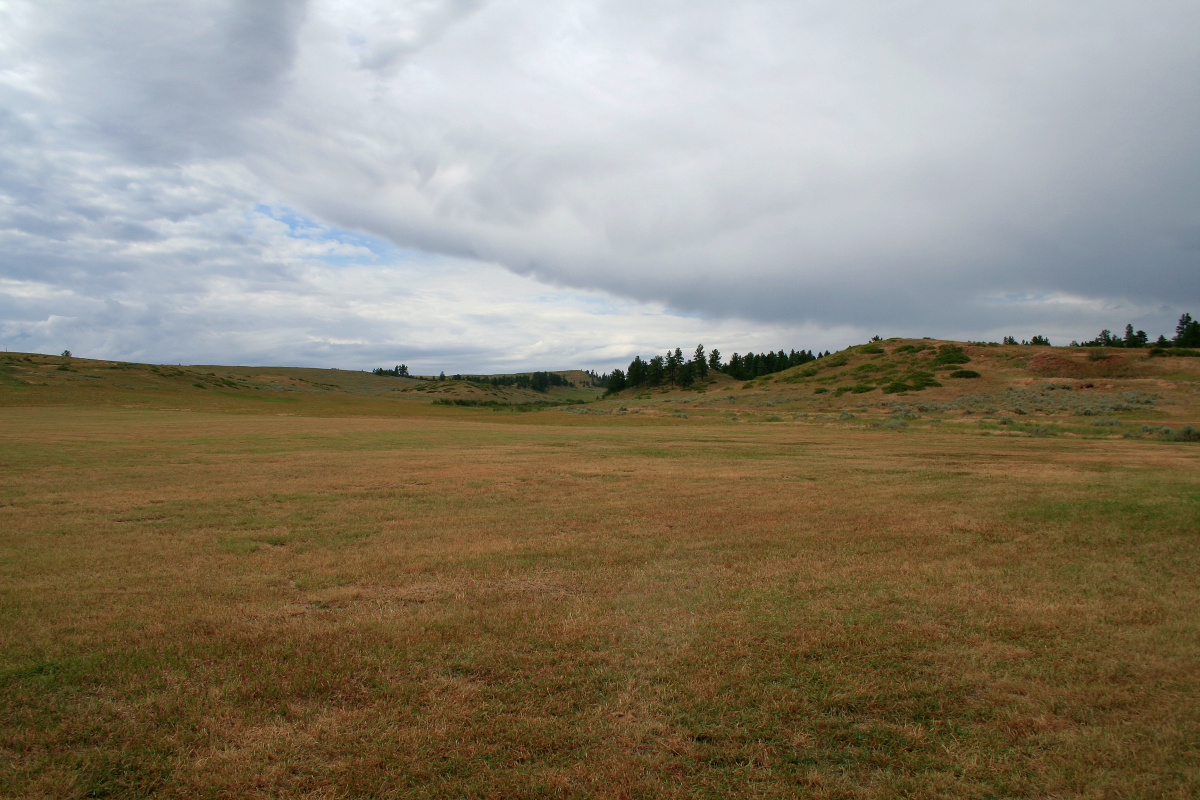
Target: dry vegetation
{"type": "Point", "coordinates": [351, 594]}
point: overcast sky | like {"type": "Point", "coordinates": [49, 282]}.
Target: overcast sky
{"type": "Point", "coordinates": [493, 186]}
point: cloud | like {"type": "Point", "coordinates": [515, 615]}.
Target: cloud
{"type": "Point", "coordinates": [921, 168]}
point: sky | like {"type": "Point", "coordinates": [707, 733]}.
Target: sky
{"type": "Point", "coordinates": [476, 186]}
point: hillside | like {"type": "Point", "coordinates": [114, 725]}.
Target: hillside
{"type": "Point", "coordinates": [35, 379]}
{"type": "Point", "coordinates": [901, 382]}
{"type": "Point", "coordinates": [1003, 389]}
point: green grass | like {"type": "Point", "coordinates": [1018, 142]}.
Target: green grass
{"type": "Point", "coordinates": [389, 598]}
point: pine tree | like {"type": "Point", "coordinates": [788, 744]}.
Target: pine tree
{"type": "Point", "coordinates": [714, 360]}
{"type": "Point", "coordinates": [700, 360]}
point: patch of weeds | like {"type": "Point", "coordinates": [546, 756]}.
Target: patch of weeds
{"type": "Point", "coordinates": [870, 349]}
{"type": "Point", "coordinates": [679, 415]}
{"type": "Point", "coordinates": [774, 418]}
{"type": "Point", "coordinates": [832, 362]}
{"type": "Point", "coordinates": [748, 385]}
{"type": "Point", "coordinates": [1185, 434]}
{"type": "Point", "coordinates": [893, 424]}
{"type": "Point", "coordinates": [1183, 352]}
{"type": "Point", "coordinates": [1106, 422]}
{"type": "Point", "coordinates": [865, 368]}
{"type": "Point", "coordinates": [858, 388]}
{"type": "Point", "coordinates": [847, 415]}
{"type": "Point", "coordinates": [821, 390]}
{"type": "Point", "coordinates": [950, 354]}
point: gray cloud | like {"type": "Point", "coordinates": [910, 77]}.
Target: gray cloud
{"type": "Point", "coordinates": [924, 168]}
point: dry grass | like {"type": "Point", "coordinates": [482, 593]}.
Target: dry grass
{"type": "Point", "coordinates": [465, 604]}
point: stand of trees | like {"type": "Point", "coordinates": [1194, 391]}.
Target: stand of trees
{"type": "Point", "coordinates": [537, 381]}
{"type": "Point", "coordinates": [1187, 334]}
{"type": "Point", "coordinates": [398, 371]}
{"type": "Point", "coordinates": [674, 369]}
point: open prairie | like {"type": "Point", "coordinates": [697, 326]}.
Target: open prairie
{"type": "Point", "coordinates": [223, 590]}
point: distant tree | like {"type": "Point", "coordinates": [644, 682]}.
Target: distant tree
{"type": "Point", "coordinates": [1040, 340]}
{"type": "Point", "coordinates": [714, 360]}
{"type": "Point", "coordinates": [656, 370]}
{"type": "Point", "coordinates": [1187, 332]}
{"type": "Point", "coordinates": [442, 375]}
{"type": "Point", "coordinates": [700, 360]}
{"type": "Point", "coordinates": [1134, 338]}
{"type": "Point", "coordinates": [638, 372]}
{"type": "Point", "coordinates": [1162, 341]}
{"type": "Point", "coordinates": [687, 374]}
{"type": "Point", "coordinates": [66, 353]}
{"type": "Point", "coordinates": [674, 362]}
{"type": "Point", "coordinates": [1010, 340]}
{"type": "Point", "coordinates": [616, 381]}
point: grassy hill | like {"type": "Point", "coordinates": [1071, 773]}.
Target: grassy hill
{"type": "Point", "coordinates": [34, 379]}
{"type": "Point", "coordinates": [860, 578]}
{"type": "Point", "coordinates": [1017, 389]}
{"type": "Point", "coordinates": [1003, 390]}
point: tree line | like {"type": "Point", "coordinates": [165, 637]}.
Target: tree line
{"type": "Point", "coordinates": [674, 369]}
{"type": "Point", "coordinates": [537, 381]}
{"type": "Point", "coordinates": [1187, 334]}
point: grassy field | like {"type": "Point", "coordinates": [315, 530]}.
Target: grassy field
{"type": "Point", "coordinates": [327, 591]}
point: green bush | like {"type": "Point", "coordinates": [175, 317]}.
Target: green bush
{"type": "Point", "coordinates": [964, 373]}
{"type": "Point", "coordinates": [870, 349]}
{"type": "Point", "coordinates": [1185, 434]}
{"type": "Point", "coordinates": [950, 354]}
{"type": "Point", "coordinates": [821, 390]}
{"type": "Point", "coordinates": [1175, 351]}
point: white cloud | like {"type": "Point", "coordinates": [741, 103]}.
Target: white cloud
{"type": "Point", "coordinates": [766, 170]}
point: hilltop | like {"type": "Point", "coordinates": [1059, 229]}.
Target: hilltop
{"type": "Point", "coordinates": [1013, 389]}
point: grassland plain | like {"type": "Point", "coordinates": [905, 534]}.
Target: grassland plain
{"type": "Point", "coordinates": [375, 597]}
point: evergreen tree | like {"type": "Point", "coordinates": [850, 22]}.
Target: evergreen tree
{"type": "Point", "coordinates": [674, 362]}
{"type": "Point", "coordinates": [714, 360]}
{"type": "Point", "coordinates": [1187, 332]}
{"type": "Point", "coordinates": [637, 372]}
{"type": "Point", "coordinates": [735, 367]}
{"type": "Point", "coordinates": [700, 360]}
{"type": "Point", "coordinates": [656, 371]}
{"type": "Point", "coordinates": [687, 374]}
{"type": "Point", "coordinates": [616, 381]}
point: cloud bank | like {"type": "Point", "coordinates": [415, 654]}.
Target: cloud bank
{"type": "Point", "coordinates": [781, 168]}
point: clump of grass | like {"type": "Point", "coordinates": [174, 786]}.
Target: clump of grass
{"type": "Point", "coordinates": [870, 349]}
{"type": "Point", "coordinates": [892, 424]}
{"type": "Point", "coordinates": [1185, 434]}
{"type": "Point", "coordinates": [950, 354]}
{"type": "Point", "coordinates": [1106, 422]}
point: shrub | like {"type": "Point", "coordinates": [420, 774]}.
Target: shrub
{"type": "Point", "coordinates": [950, 354]}
{"type": "Point", "coordinates": [1185, 434]}
{"type": "Point", "coordinates": [893, 424]}
{"type": "Point", "coordinates": [964, 373]}
{"type": "Point", "coordinates": [1106, 422]}
{"type": "Point", "coordinates": [870, 349]}
{"type": "Point", "coordinates": [821, 390]}
{"type": "Point", "coordinates": [1175, 351]}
